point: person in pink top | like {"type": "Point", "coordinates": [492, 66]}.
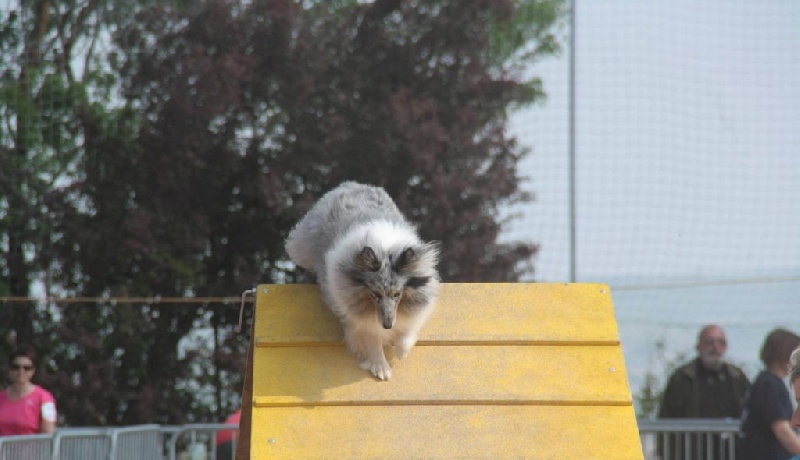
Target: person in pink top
{"type": "Point", "coordinates": [226, 439]}
{"type": "Point", "coordinates": [25, 408]}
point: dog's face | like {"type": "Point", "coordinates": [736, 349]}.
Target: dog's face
{"type": "Point", "coordinates": [389, 278]}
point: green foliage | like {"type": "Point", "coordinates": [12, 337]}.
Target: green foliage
{"type": "Point", "coordinates": [660, 367]}
{"type": "Point", "coordinates": [527, 32]}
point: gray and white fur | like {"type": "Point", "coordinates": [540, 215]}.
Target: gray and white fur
{"type": "Point", "coordinates": [375, 273]}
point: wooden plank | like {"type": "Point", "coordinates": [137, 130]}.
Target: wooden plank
{"type": "Point", "coordinates": [445, 374]}
{"type": "Point", "coordinates": [405, 432]}
{"type": "Point", "coordinates": [501, 371]}
{"type": "Point", "coordinates": [244, 434]}
{"type": "Point", "coordinates": [519, 313]}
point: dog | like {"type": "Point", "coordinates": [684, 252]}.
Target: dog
{"type": "Point", "coordinates": [376, 275]}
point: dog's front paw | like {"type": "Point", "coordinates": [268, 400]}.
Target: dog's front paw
{"type": "Point", "coordinates": [380, 369]}
{"type": "Point", "coordinates": [404, 346]}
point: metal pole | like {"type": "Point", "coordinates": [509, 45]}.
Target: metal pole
{"type": "Point", "coordinates": [572, 211]}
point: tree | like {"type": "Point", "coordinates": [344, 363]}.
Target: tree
{"type": "Point", "coordinates": [254, 110]}
{"type": "Point", "coordinates": [50, 83]}
{"type": "Point", "coordinates": [230, 120]}
{"type": "Point", "coordinates": [27, 160]}
{"type": "Point", "coordinates": [59, 112]}
{"type": "Point", "coordinates": [413, 97]}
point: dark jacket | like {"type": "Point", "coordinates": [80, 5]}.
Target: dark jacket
{"type": "Point", "coordinates": [692, 392]}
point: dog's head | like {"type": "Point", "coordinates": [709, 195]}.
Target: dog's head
{"type": "Point", "coordinates": [395, 276]}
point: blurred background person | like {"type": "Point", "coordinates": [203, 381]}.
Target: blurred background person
{"type": "Point", "coordinates": [767, 432]}
{"type": "Point", "coordinates": [226, 439]}
{"type": "Point", "coordinates": [794, 379]}
{"type": "Point", "coordinates": [25, 408]}
{"type": "Point", "coordinates": [706, 387]}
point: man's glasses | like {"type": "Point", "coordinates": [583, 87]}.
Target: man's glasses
{"type": "Point", "coordinates": [19, 367]}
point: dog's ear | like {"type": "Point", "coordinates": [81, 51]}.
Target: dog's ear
{"type": "Point", "coordinates": [434, 248]}
{"type": "Point", "coordinates": [405, 259]}
{"type": "Point", "coordinates": [417, 281]}
{"type": "Point", "coordinates": [367, 260]}
{"type": "Point", "coordinates": [410, 256]}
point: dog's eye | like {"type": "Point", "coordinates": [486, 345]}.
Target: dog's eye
{"type": "Point", "coordinates": [396, 294]}
{"type": "Point", "coordinates": [376, 295]}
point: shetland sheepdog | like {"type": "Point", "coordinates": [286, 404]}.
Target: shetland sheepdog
{"type": "Point", "coordinates": [376, 275]}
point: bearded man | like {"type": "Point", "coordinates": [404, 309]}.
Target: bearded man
{"type": "Point", "coordinates": [706, 387]}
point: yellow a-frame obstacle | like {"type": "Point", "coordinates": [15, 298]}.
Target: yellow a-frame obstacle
{"type": "Point", "coordinates": [500, 371]}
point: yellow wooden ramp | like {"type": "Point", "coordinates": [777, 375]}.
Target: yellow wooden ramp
{"type": "Point", "coordinates": [500, 371]}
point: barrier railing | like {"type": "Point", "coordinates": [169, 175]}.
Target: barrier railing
{"type": "Point", "coordinates": [114, 443]}
{"type": "Point", "coordinates": [83, 443]}
{"type": "Point", "coordinates": [198, 441]}
{"type": "Point", "coordinates": [666, 439]}
{"type": "Point", "coordinates": [661, 439]}
{"type": "Point", "coordinates": [137, 442]}
{"type": "Point", "coordinates": [34, 447]}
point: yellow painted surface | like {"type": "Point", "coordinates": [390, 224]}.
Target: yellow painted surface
{"type": "Point", "coordinates": [407, 432]}
{"type": "Point", "coordinates": [524, 374]}
{"type": "Point", "coordinates": [501, 371]}
{"type": "Point", "coordinates": [467, 312]}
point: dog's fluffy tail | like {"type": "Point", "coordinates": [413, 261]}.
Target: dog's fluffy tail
{"type": "Point", "coordinates": [332, 216]}
{"type": "Point", "coordinates": [300, 243]}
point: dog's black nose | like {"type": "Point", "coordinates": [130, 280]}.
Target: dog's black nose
{"type": "Point", "coordinates": [387, 325]}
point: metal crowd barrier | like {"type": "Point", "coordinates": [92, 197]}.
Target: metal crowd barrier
{"type": "Point", "coordinates": [662, 439]}
{"type": "Point", "coordinates": [122, 443]}
{"type": "Point", "coordinates": [33, 447]}
{"type": "Point", "coordinates": [140, 442]}
{"type": "Point", "coordinates": [668, 439]}
{"type": "Point", "coordinates": [137, 442]}
{"type": "Point", "coordinates": [81, 443]}
{"type": "Point", "coordinates": [198, 442]}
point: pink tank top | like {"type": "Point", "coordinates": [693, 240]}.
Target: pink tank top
{"type": "Point", "coordinates": [25, 416]}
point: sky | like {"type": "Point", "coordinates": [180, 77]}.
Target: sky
{"type": "Point", "coordinates": [688, 170]}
